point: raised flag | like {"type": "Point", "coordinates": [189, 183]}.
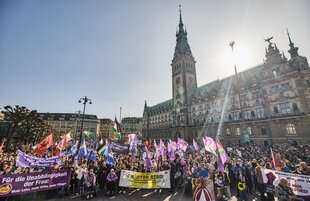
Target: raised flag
{"type": "Point", "coordinates": [155, 145]}
{"type": "Point", "coordinates": [222, 156]}
{"type": "Point", "coordinates": [148, 162]}
{"type": "Point", "coordinates": [45, 144]}
{"type": "Point", "coordinates": [117, 129]}
{"type": "Point", "coordinates": [172, 156]}
{"type": "Point", "coordinates": [162, 147]}
{"type": "Point", "coordinates": [182, 144]}
{"type": "Point", "coordinates": [169, 147]}
{"type": "Point", "coordinates": [209, 144]}
{"type": "Point", "coordinates": [102, 150]}
{"type": "Point", "coordinates": [173, 145]}
{"type": "Point", "coordinates": [109, 156]}
{"type": "Point", "coordinates": [276, 163]}
{"type": "Point", "coordinates": [87, 133]}
{"type": "Point", "coordinates": [2, 144]}
{"type": "Point", "coordinates": [73, 148]}
{"type": "Point", "coordinates": [195, 145]}
{"type": "Point", "coordinates": [91, 155]}
{"type": "Point", "coordinates": [83, 149]}
{"type": "Point", "coordinates": [63, 143]}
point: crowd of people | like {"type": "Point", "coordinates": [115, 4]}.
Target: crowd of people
{"type": "Point", "coordinates": [242, 175]}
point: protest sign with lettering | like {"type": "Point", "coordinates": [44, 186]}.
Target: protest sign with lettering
{"type": "Point", "coordinates": [17, 184]}
{"type": "Point", "coordinates": [300, 184]}
{"type": "Point", "coordinates": [120, 148]}
{"type": "Point", "coordinates": [25, 160]}
{"type": "Point", "coordinates": [145, 180]}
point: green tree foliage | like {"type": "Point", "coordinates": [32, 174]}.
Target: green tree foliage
{"type": "Point", "coordinates": [26, 127]}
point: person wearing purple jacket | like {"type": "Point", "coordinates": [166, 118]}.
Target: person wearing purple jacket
{"type": "Point", "coordinates": [111, 182]}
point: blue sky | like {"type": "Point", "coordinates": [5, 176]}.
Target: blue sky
{"type": "Point", "coordinates": [118, 53]}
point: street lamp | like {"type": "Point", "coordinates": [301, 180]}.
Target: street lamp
{"type": "Point", "coordinates": [84, 101]}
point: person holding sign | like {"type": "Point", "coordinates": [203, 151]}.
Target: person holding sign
{"type": "Point", "coordinates": [284, 192]}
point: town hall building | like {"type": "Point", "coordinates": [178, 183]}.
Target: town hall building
{"type": "Point", "coordinates": [265, 104]}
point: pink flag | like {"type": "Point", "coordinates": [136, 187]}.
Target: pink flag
{"type": "Point", "coordinates": [155, 145]}
{"type": "Point", "coordinates": [195, 145]}
{"type": "Point", "coordinates": [182, 144]}
{"type": "Point", "coordinates": [162, 147]}
{"type": "Point", "coordinates": [173, 145]}
{"type": "Point", "coordinates": [222, 156]}
{"type": "Point", "coordinates": [172, 156]}
{"type": "Point", "coordinates": [209, 144]}
{"type": "Point", "coordinates": [2, 144]}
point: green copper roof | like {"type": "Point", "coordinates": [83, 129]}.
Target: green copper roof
{"type": "Point", "coordinates": [216, 88]}
{"type": "Point", "coordinates": [161, 107]}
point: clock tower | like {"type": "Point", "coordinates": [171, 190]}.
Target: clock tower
{"type": "Point", "coordinates": [184, 79]}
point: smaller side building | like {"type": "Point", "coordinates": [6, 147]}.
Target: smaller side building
{"type": "Point", "coordinates": [63, 123]}
{"type": "Point", "coordinates": [106, 129]}
{"type": "Point", "coordinates": [131, 125]}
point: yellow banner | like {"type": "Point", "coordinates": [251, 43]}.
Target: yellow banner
{"type": "Point", "coordinates": [145, 180]}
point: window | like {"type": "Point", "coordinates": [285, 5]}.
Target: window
{"type": "Point", "coordinates": [247, 114]}
{"type": "Point", "coordinates": [226, 118]}
{"type": "Point", "coordinates": [308, 83]}
{"type": "Point", "coordinates": [285, 86]}
{"type": "Point", "coordinates": [263, 131]}
{"type": "Point", "coordinates": [290, 129]}
{"type": "Point", "coordinates": [275, 89]}
{"type": "Point", "coordinates": [256, 94]}
{"type": "Point", "coordinates": [295, 107]}
{"type": "Point", "coordinates": [228, 131]}
{"type": "Point", "coordinates": [238, 131]}
{"type": "Point", "coordinates": [260, 113]}
{"type": "Point", "coordinates": [249, 130]}
{"type": "Point", "coordinates": [236, 116]}
{"type": "Point", "coordinates": [285, 108]}
{"type": "Point", "coordinates": [244, 98]}
{"type": "Point", "coordinates": [276, 110]}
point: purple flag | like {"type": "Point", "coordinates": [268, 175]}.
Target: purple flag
{"type": "Point", "coordinates": [182, 144]}
{"type": "Point", "coordinates": [162, 147]}
{"type": "Point", "coordinates": [169, 147]}
{"type": "Point", "coordinates": [148, 162]}
{"type": "Point", "coordinates": [172, 156]}
{"type": "Point", "coordinates": [173, 145]}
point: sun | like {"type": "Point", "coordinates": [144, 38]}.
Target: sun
{"type": "Point", "coordinates": [241, 57]}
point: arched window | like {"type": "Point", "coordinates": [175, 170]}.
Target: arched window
{"type": "Point", "coordinates": [276, 110]}
{"type": "Point", "coordinates": [295, 107]}
{"type": "Point", "coordinates": [238, 131]}
{"type": "Point", "coordinates": [290, 129]}
{"type": "Point", "coordinates": [228, 131]}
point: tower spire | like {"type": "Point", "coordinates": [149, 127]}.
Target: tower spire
{"type": "Point", "coordinates": [180, 10]}
{"type": "Point", "coordinates": [180, 22]}
{"type": "Point", "coordinates": [289, 38]}
{"type": "Point", "coordinates": [293, 50]}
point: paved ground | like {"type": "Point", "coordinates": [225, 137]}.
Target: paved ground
{"type": "Point", "coordinates": [149, 195]}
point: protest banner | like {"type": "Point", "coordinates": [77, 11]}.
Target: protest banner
{"type": "Point", "coordinates": [203, 190]}
{"type": "Point", "coordinates": [300, 184]}
{"type": "Point", "coordinates": [17, 184]}
{"type": "Point", "coordinates": [120, 148]}
{"type": "Point", "coordinates": [25, 160]}
{"type": "Point", "coordinates": [145, 180]}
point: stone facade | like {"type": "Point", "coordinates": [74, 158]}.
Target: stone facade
{"type": "Point", "coordinates": [265, 104]}
{"type": "Point", "coordinates": [71, 122]}
{"type": "Point", "coordinates": [130, 125]}
{"type": "Point", "coordinates": [106, 129]}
